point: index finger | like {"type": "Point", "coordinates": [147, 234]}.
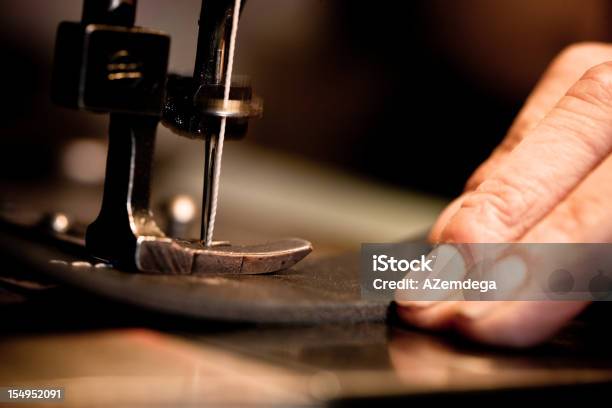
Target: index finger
{"type": "Point", "coordinates": [564, 71]}
{"type": "Point", "coordinates": [557, 154]}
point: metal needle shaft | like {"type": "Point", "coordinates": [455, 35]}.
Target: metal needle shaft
{"type": "Point", "coordinates": [215, 74]}
{"type": "Point", "coordinates": [209, 165]}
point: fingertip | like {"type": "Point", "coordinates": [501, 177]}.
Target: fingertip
{"type": "Point", "coordinates": [436, 316]}
{"type": "Point", "coordinates": [518, 324]}
{"type": "Point", "coordinates": [481, 331]}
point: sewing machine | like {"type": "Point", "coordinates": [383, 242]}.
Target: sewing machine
{"type": "Point", "coordinates": [258, 323]}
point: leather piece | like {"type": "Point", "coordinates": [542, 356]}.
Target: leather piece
{"type": "Point", "coordinates": [314, 291]}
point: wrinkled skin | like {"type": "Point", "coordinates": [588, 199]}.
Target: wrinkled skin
{"type": "Point", "coordinates": [550, 180]}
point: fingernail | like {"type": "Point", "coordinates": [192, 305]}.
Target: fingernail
{"type": "Point", "coordinates": [448, 264]}
{"type": "Point", "coordinates": [509, 273]}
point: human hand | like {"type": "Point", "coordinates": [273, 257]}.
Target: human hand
{"type": "Point", "coordinates": [549, 181]}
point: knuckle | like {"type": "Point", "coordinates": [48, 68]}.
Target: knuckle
{"type": "Point", "coordinates": [499, 202]}
{"type": "Point", "coordinates": [594, 89]}
{"type": "Point", "coordinates": [491, 213]}
{"type": "Point", "coordinates": [504, 198]}
{"type": "Point", "coordinates": [583, 59]}
{"type": "Point", "coordinates": [600, 76]}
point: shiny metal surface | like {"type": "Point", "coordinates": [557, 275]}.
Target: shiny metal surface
{"type": "Point", "coordinates": [290, 366]}
{"type": "Point", "coordinates": [176, 257]}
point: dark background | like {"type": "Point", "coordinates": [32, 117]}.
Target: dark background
{"type": "Point", "coordinates": [414, 93]}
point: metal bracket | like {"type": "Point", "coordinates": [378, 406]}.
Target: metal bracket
{"type": "Point", "coordinates": [125, 232]}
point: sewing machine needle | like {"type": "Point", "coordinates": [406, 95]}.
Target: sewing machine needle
{"type": "Point", "coordinates": [209, 165]}
{"type": "Point", "coordinates": [215, 148]}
